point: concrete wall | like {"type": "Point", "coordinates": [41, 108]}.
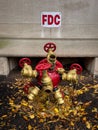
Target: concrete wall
{"type": "Point", "coordinates": [65, 48]}
{"type": "Point", "coordinates": [21, 33]}
{"type": "Point", "coordinates": [21, 19]}
{"type": "Point", "coordinates": [4, 66]}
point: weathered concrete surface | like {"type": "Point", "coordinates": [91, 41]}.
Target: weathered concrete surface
{"type": "Point", "coordinates": [65, 48]}
{"type": "Point", "coordinates": [96, 67]}
{"type": "Point", "coordinates": [12, 63]}
{"type": "Point", "coordinates": [21, 18]}
{"type": "Point", "coordinates": [4, 66]}
{"type": "Point", "coordinates": [34, 30]}
{"type": "Point", "coordinates": [73, 11]}
{"type": "Point", "coordinates": [22, 35]}
{"type": "Point", "coordinates": [90, 65]}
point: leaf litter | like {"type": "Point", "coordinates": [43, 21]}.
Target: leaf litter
{"type": "Point", "coordinates": [79, 111]}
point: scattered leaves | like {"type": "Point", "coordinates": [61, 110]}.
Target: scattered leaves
{"type": "Point", "coordinates": [44, 106]}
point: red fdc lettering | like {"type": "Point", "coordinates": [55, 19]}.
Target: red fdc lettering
{"type": "Point", "coordinates": [44, 19]}
{"type": "Point", "coordinates": [50, 19]}
{"type": "Point", "coordinates": [57, 19]}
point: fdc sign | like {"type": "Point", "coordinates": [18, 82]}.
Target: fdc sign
{"type": "Point", "coordinates": [51, 19]}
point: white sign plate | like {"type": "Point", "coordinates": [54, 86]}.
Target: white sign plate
{"type": "Point", "coordinates": [51, 19]}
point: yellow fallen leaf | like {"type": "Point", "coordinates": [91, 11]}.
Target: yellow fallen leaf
{"type": "Point", "coordinates": [84, 119]}
{"type": "Point", "coordinates": [29, 127]}
{"type": "Point", "coordinates": [94, 109]}
{"type": "Point", "coordinates": [95, 86]}
{"type": "Point", "coordinates": [88, 125]}
{"type": "Point", "coordinates": [43, 114]}
{"type": "Point", "coordinates": [66, 114]}
{"type": "Point", "coordinates": [30, 106]}
{"type": "Point", "coordinates": [11, 102]}
{"type": "Point", "coordinates": [31, 116]}
{"type": "Point", "coordinates": [75, 102]}
{"type": "Point", "coordinates": [56, 110]}
{"type": "Point", "coordinates": [41, 120]}
{"type": "Point", "coordinates": [87, 103]}
{"type": "Point", "coordinates": [14, 110]}
{"type": "Point", "coordinates": [24, 103]}
{"type": "Point", "coordinates": [26, 118]}
{"type": "Point", "coordinates": [66, 97]}
{"type": "Point", "coordinates": [71, 123]}
{"type": "Point", "coordinates": [75, 112]}
{"type": "Point", "coordinates": [79, 92]}
{"type": "Point", "coordinates": [20, 91]}
{"type": "Point", "coordinates": [4, 116]}
{"type": "Point", "coordinates": [85, 89]}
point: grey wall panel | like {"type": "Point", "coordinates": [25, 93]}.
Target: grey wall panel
{"type": "Point", "coordinates": [33, 48]}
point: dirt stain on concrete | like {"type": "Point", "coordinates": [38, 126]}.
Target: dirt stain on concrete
{"type": "Point", "coordinates": [3, 43]}
{"type": "Point", "coordinates": [76, 5]}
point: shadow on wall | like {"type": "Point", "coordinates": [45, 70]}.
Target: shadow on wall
{"type": "Point", "coordinates": [66, 62]}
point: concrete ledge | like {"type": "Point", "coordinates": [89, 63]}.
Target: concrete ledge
{"type": "Point", "coordinates": [34, 48]}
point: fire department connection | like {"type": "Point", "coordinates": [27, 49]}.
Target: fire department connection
{"type": "Point", "coordinates": [48, 72]}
